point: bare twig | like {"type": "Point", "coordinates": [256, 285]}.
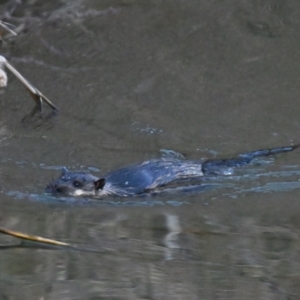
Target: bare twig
{"type": "Point", "coordinates": [3, 25]}
{"type": "Point", "coordinates": [43, 241]}
{"type": "Point", "coordinates": [33, 238]}
{"type": "Point", "coordinates": [37, 96]}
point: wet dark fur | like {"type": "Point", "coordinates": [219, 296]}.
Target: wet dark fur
{"type": "Point", "coordinates": [146, 177]}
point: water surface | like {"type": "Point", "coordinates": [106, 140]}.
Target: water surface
{"type": "Point", "coordinates": [204, 78]}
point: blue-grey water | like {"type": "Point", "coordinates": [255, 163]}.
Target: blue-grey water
{"type": "Point", "coordinates": [208, 79]}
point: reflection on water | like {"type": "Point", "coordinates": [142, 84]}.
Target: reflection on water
{"type": "Point", "coordinates": [205, 78]}
{"type": "Point", "coordinates": [226, 249]}
{"type": "Point", "coordinates": [170, 240]}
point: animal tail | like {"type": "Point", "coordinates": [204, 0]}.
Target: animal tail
{"type": "Point", "coordinates": [222, 166]}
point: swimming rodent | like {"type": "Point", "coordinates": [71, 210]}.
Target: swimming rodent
{"type": "Point", "coordinates": [146, 177]}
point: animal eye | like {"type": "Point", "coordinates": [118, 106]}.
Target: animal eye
{"type": "Point", "coordinates": [77, 184]}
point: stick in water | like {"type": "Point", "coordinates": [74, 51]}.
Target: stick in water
{"type": "Point", "coordinates": [37, 96]}
{"type": "Point", "coordinates": [33, 238]}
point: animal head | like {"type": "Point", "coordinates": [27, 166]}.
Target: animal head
{"type": "Point", "coordinates": [76, 184]}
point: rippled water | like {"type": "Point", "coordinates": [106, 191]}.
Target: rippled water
{"type": "Point", "coordinates": [208, 79]}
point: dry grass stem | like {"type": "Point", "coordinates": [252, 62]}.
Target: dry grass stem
{"type": "Point", "coordinates": [3, 25]}
{"type": "Point", "coordinates": [32, 238]}
{"type": "Point", "coordinates": [37, 96]}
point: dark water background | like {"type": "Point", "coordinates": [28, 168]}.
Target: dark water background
{"type": "Point", "coordinates": [204, 78]}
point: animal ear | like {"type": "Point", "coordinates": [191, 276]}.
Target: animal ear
{"type": "Point", "coordinates": [64, 171]}
{"type": "Point", "coordinates": [99, 184]}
